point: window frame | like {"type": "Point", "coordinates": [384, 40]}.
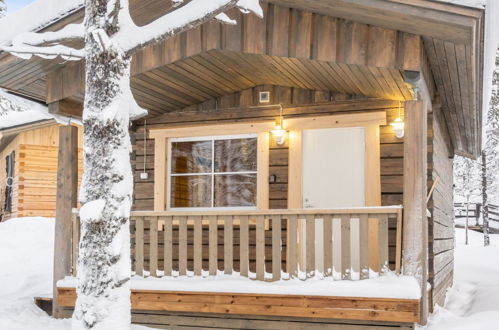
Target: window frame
{"type": "Point", "coordinates": [212, 174]}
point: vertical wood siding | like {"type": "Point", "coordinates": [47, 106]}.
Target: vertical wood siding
{"type": "Point", "coordinates": [441, 224]}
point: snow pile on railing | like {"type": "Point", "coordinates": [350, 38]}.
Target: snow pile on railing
{"type": "Point", "coordinates": [387, 286]}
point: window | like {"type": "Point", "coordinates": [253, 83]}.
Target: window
{"type": "Point", "coordinates": [213, 172]}
{"type": "Point", "coordinates": [9, 161]}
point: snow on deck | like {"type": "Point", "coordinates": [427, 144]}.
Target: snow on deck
{"type": "Point", "coordinates": [388, 286]}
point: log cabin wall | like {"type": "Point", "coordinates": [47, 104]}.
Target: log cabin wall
{"type": "Point", "coordinates": [35, 171]}
{"type": "Point", "coordinates": [441, 206]}
{"type": "Point", "coordinates": [391, 147]}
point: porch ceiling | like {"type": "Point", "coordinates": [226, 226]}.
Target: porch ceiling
{"type": "Point", "coordinates": [215, 73]}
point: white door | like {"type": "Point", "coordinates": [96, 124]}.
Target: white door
{"type": "Point", "coordinates": [333, 168]}
{"type": "Point", "coordinates": [333, 177]}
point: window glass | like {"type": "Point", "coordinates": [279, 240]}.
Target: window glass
{"type": "Point", "coordinates": [191, 157]}
{"type": "Point", "coordinates": [234, 190]}
{"type": "Point", "coordinates": [236, 155]}
{"type": "Point", "coordinates": [191, 191]}
{"type": "Point", "coordinates": [218, 172]}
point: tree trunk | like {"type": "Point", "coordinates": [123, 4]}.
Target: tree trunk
{"type": "Point", "coordinates": [104, 266]}
{"type": "Point", "coordinates": [485, 203]}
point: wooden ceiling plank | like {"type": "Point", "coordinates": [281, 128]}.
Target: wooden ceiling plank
{"type": "Point", "coordinates": [157, 87]}
{"type": "Point", "coordinates": [171, 81]}
{"type": "Point", "coordinates": [195, 75]}
{"type": "Point", "coordinates": [207, 74]}
{"type": "Point", "coordinates": [346, 79]}
{"type": "Point", "coordinates": [183, 76]}
{"type": "Point", "coordinates": [222, 68]}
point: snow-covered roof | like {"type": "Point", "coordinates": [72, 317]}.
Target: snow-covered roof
{"type": "Point", "coordinates": [35, 16]}
{"type": "Point", "coordinates": [17, 111]}
{"type": "Point", "coordinates": [467, 3]}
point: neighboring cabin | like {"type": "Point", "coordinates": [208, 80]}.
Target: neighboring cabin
{"type": "Point", "coordinates": [29, 139]}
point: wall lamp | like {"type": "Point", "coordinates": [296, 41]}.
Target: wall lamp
{"type": "Point", "coordinates": [398, 126]}
{"type": "Point", "coordinates": [279, 132]}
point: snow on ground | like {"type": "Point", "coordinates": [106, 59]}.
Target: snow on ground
{"type": "Point", "coordinates": [473, 302]}
{"type": "Point", "coordinates": [26, 260]}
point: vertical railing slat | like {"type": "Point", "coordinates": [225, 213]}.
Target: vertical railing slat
{"type": "Point", "coordinates": [168, 246]}
{"type": "Point", "coordinates": [260, 247]}
{"type": "Point", "coordinates": [337, 247]}
{"type": "Point", "coordinates": [383, 243]}
{"type": "Point", "coordinates": [228, 245]}
{"type": "Point", "coordinates": [276, 247]}
{"type": "Point", "coordinates": [243, 246]}
{"type": "Point", "coordinates": [213, 245]}
{"type": "Point", "coordinates": [182, 246]}
{"type": "Point", "coordinates": [328, 244]}
{"type": "Point", "coordinates": [75, 220]}
{"type": "Point", "coordinates": [398, 247]}
{"type": "Point", "coordinates": [345, 247]}
{"type": "Point", "coordinates": [292, 246]}
{"type": "Point", "coordinates": [153, 245]}
{"type": "Point", "coordinates": [364, 246]}
{"type": "Point", "coordinates": [310, 244]}
{"type": "Point", "coordinates": [198, 245]}
{"type": "Point", "coordinates": [139, 246]}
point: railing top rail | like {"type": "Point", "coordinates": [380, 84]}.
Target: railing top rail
{"type": "Point", "coordinates": [396, 209]}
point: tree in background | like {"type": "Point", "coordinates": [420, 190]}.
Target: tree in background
{"type": "Point", "coordinates": [3, 8]}
{"type": "Point", "coordinates": [467, 182]}
{"type": "Point", "coordinates": [490, 153]}
{"type": "Point", "coordinates": [110, 39]}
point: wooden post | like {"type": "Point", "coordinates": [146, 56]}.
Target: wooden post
{"type": "Point", "coordinates": [415, 222]}
{"type": "Point", "coordinates": [67, 185]}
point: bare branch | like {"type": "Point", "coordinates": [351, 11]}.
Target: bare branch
{"type": "Point", "coordinates": [194, 13]}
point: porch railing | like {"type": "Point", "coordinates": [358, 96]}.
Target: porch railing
{"type": "Point", "coordinates": [266, 245]}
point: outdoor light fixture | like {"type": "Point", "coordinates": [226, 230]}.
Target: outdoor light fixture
{"type": "Point", "coordinates": [279, 132]}
{"type": "Point", "coordinates": [398, 126]}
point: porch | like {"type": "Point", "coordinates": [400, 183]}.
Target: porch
{"type": "Point", "coordinates": [335, 264]}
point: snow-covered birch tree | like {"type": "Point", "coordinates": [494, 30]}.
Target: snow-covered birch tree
{"type": "Point", "coordinates": [490, 153]}
{"type": "Point", "coordinates": [110, 39]}
{"type": "Point", "coordinates": [3, 8]}
{"type": "Point", "coordinates": [467, 182]}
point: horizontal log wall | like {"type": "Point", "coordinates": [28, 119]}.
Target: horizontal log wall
{"type": "Point", "coordinates": [391, 147]}
{"type": "Point", "coordinates": [37, 185]}
{"type": "Point", "coordinates": [35, 171]}
{"type": "Point", "coordinates": [441, 205]}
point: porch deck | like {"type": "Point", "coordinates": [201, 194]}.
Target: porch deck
{"type": "Point", "coordinates": [321, 264]}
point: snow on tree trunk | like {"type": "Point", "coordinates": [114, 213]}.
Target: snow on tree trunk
{"type": "Point", "coordinates": [104, 265]}
{"type": "Point", "coordinates": [485, 205]}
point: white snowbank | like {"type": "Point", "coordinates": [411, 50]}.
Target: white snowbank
{"type": "Point", "coordinates": [473, 301]}
{"type": "Point", "coordinates": [26, 263]}
{"type": "Point", "coordinates": [389, 286]}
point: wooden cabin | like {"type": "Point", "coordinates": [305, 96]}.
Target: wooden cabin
{"type": "Point", "coordinates": [339, 196]}
{"type": "Point", "coordinates": [29, 140]}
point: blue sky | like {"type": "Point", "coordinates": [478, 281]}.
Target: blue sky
{"type": "Point", "coordinates": [13, 5]}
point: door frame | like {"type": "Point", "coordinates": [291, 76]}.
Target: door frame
{"type": "Point", "coordinates": [372, 167]}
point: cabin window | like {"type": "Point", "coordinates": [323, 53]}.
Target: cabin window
{"type": "Point", "coordinates": [9, 181]}
{"type": "Point", "coordinates": [213, 172]}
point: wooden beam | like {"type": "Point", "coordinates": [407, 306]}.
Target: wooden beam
{"type": "Point", "coordinates": [66, 107]}
{"type": "Point", "coordinates": [415, 223]}
{"type": "Point", "coordinates": [320, 307]}
{"type": "Point", "coordinates": [67, 185]}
